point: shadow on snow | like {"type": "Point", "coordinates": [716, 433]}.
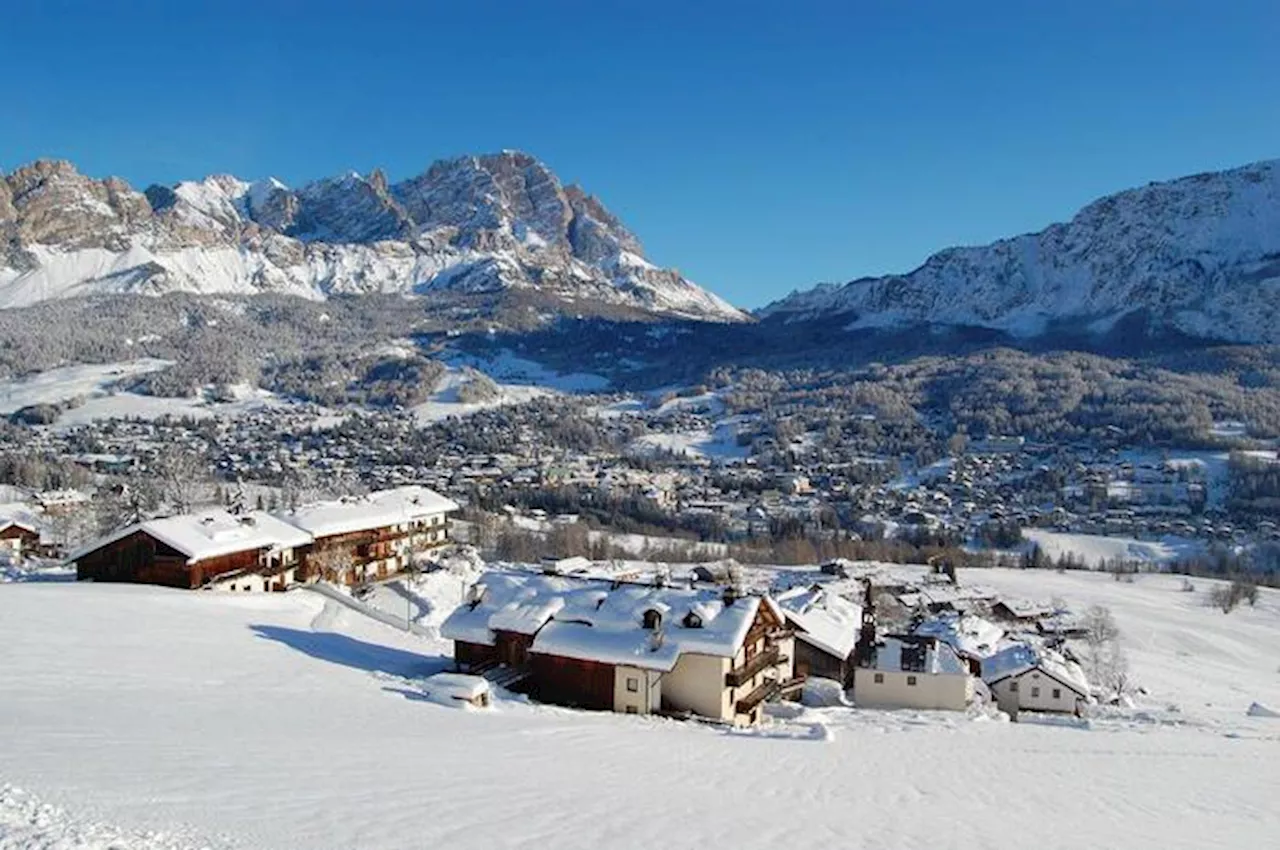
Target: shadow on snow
{"type": "Point", "coordinates": [358, 654]}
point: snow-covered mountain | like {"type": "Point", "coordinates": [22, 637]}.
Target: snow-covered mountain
{"type": "Point", "coordinates": [1199, 256]}
{"type": "Point", "coordinates": [473, 224]}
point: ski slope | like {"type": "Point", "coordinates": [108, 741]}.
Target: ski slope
{"type": "Point", "coordinates": [134, 717]}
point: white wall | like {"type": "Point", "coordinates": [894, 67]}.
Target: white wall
{"type": "Point", "coordinates": [696, 684]}
{"type": "Point", "coordinates": [1034, 691]}
{"type": "Point", "coordinates": [645, 699]}
{"type": "Point", "coordinates": [950, 691]}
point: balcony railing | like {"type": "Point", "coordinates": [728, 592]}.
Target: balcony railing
{"type": "Point", "coordinates": [760, 661]}
{"type": "Point", "coordinates": [759, 694]}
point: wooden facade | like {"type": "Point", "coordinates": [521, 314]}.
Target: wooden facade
{"type": "Point", "coordinates": [572, 682]}
{"type": "Point", "coordinates": [812, 661]}
{"type": "Point", "coordinates": [139, 558]}
{"type": "Point", "coordinates": [371, 553]}
{"type": "Point", "coordinates": [472, 657]}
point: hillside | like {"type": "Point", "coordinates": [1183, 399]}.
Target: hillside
{"type": "Point", "coordinates": [472, 225]}
{"type": "Point", "coordinates": [1198, 256]}
{"type": "Point", "coordinates": [153, 718]}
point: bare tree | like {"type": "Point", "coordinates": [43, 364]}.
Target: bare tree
{"type": "Point", "coordinates": [181, 480]}
{"type": "Point", "coordinates": [331, 563]}
{"type": "Point", "coordinates": [1108, 666]}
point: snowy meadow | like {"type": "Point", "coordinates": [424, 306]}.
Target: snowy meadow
{"type": "Point", "coordinates": [138, 717]}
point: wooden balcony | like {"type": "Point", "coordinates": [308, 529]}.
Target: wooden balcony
{"type": "Point", "coordinates": [763, 691]}
{"type": "Point", "coordinates": [761, 661]}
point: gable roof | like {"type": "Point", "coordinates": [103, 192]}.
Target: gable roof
{"type": "Point", "coordinates": [211, 534]}
{"type": "Point", "coordinates": [596, 620]}
{"type": "Point", "coordinates": [6, 524]}
{"type": "Point", "coordinates": [825, 619]}
{"type": "Point", "coordinates": [1022, 658]}
{"type": "Point", "coordinates": [375, 510]}
{"type": "Point", "coordinates": [967, 634]}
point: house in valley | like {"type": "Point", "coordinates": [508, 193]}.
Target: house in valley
{"type": "Point", "coordinates": [372, 536]}
{"type": "Point", "coordinates": [826, 631]}
{"type": "Point", "coordinates": [213, 548]}
{"type": "Point", "coordinates": [18, 538]}
{"type": "Point", "coordinates": [912, 671]}
{"type": "Point", "coordinates": [1026, 678]}
{"type": "Point", "coordinates": [630, 648]}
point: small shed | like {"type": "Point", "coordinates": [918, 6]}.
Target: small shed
{"type": "Point", "coordinates": [457, 690]}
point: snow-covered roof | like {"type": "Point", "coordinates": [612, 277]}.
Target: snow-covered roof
{"type": "Point", "coordinates": [455, 686]}
{"type": "Point", "coordinates": [826, 620]}
{"type": "Point", "coordinates": [939, 657]}
{"type": "Point", "coordinates": [375, 510]}
{"type": "Point", "coordinates": [26, 525]}
{"type": "Point", "coordinates": [967, 634]}
{"type": "Point", "coordinates": [1026, 609]}
{"type": "Point", "coordinates": [212, 533]}
{"type": "Point", "coordinates": [597, 620]}
{"type": "Point", "coordinates": [1021, 658]}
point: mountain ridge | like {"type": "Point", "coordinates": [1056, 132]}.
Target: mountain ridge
{"type": "Point", "coordinates": [1201, 254]}
{"type": "Point", "coordinates": [477, 223]}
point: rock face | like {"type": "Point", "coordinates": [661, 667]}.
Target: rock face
{"type": "Point", "coordinates": [474, 224]}
{"type": "Point", "coordinates": [1199, 256]}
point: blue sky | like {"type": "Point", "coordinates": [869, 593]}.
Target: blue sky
{"type": "Point", "coordinates": [758, 147]}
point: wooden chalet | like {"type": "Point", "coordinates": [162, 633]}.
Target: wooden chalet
{"type": "Point", "coordinates": [631, 648]}
{"type": "Point", "coordinates": [252, 551]}
{"type": "Point", "coordinates": [369, 537]}
{"type": "Point", "coordinates": [19, 537]}
{"type": "Point", "coordinates": [826, 632]}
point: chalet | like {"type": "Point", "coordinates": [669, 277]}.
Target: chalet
{"type": "Point", "coordinates": [1023, 678]}
{"type": "Point", "coordinates": [253, 551]}
{"type": "Point", "coordinates": [912, 671]}
{"type": "Point", "coordinates": [826, 632]}
{"type": "Point", "coordinates": [1019, 612]}
{"type": "Point", "coordinates": [372, 536]}
{"type": "Point", "coordinates": [973, 638]}
{"type": "Point", "coordinates": [17, 537]}
{"type": "Point", "coordinates": [630, 648]}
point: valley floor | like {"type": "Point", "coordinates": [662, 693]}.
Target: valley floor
{"type": "Point", "coordinates": [143, 718]}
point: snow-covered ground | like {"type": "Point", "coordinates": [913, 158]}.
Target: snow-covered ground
{"type": "Point", "coordinates": [444, 402]}
{"type": "Point", "coordinates": [1095, 549]}
{"type": "Point", "coordinates": [91, 394]}
{"type": "Point", "coordinates": [720, 443]}
{"type": "Point", "coordinates": [150, 718]}
{"type": "Point", "coordinates": [1186, 653]}
{"type": "Point", "coordinates": [54, 386]}
{"type": "Point", "coordinates": [507, 367]}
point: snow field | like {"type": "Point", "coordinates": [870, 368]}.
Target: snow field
{"type": "Point", "coordinates": [286, 720]}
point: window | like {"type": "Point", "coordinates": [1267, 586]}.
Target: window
{"type": "Point", "coordinates": [1013, 687]}
{"type": "Point", "coordinates": [911, 681]}
{"type": "Point", "coordinates": [633, 685]}
{"type": "Point", "coordinates": [879, 678]}
{"type": "Point", "coordinates": [631, 709]}
{"type": "Point", "coordinates": [1035, 692]}
{"type": "Point", "coordinates": [1057, 693]}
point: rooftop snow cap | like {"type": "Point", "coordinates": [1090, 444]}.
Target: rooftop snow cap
{"type": "Point", "coordinates": [596, 620]}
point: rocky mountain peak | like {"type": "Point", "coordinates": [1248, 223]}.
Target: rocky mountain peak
{"type": "Point", "coordinates": [1198, 256]}
{"type": "Point", "coordinates": [476, 223]}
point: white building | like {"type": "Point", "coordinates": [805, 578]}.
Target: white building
{"type": "Point", "coordinates": [1023, 678]}
{"type": "Point", "coordinates": [913, 671]}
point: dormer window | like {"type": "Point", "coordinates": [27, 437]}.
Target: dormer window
{"type": "Point", "coordinates": [652, 619]}
{"type": "Point", "coordinates": [692, 621]}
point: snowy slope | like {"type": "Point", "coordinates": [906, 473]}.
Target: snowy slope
{"type": "Point", "coordinates": [287, 721]}
{"type": "Point", "coordinates": [1200, 255]}
{"type": "Point", "coordinates": [472, 224]}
